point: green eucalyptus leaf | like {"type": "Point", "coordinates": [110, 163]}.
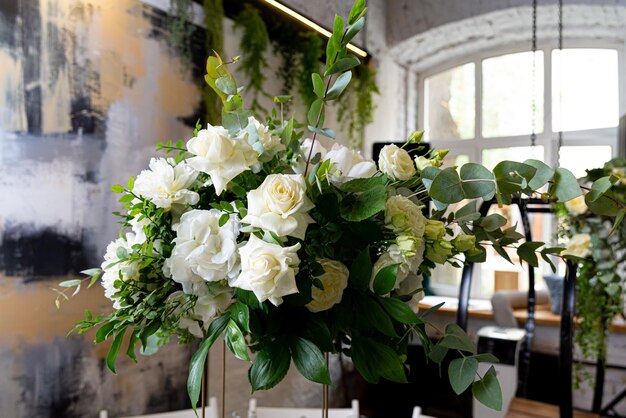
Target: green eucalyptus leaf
{"type": "Point", "coordinates": [477, 181]}
{"type": "Point", "coordinates": [599, 188]}
{"type": "Point", "coordinates": [226, 85]}
{"type": "Point", "coordinates": [461, 372]}
{"type": "Point", "coordinates": [446, 186]}
{"type": "Point", "coordinates": [309, 361]}
{"type": "Point", "coordinates": [603, 205]}
{"type": "Point", "coordinates": [565, 186]}
{"type": "Point", "coordinates": [492, 222]}
{"type": "Point", "coordinates": [457, 339]}
{"type": "Point", "coordinates": [527, 252]}
{"type": "Point", "coordinates": [357, 10]}
{"type": "Point", "coordinates": [486, 358]}
{"type": "Point", "coordinates": [318, 85]}
{"type": "Point", "coordinates": [510, 175]}
{"type": "Point", "coordinates": [487, 390]}
{"type": "Point", "coordinates": [343, 64]}
{"type": "Point", "coordinates": [544, 174]}
{"type": "Point", "coordinates": [339, 86]}
{"type": "Point", "coordinates": [316, 113]}
{"type": "Point", "coordinates": [353, 29]}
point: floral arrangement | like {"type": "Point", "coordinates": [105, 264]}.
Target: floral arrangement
{"type": "Point", "coordinates": [290, 249]}
{"type": "Point", "coordinates": [590, 224]}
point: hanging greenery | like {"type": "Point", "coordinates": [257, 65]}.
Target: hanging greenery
{"type": "Point", "coordinates": [310, 48]}
{"type": "Point", "coordinates": [213, 21]}
{"type": "Point", "coordinates": [355, 109]}
{"type": "Point", "coordinates": [253, 44]}
{"type": "Point", "coordinates": [179, 28]}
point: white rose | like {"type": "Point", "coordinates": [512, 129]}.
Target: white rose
{"type": "Point", "coordinates": [305, 149]}
{"type": "Point", "coordinates": [268, 270]}
{"type": "Point", "coordinates": [349, 163]}
{"type": "Point", "coordinates": [403, 216]}
{"type": "Point", "coordinates": [408, 262]}
{"type": "Point", "coordinates": [410, 285]}
{"type": "Point", "coordinates": [579, 246]}
{"type": "Point", "coordinates": [167, 183]}
{"type": "Point", "coordinates": [204, 251]}
{"type": "Point", "coordinates": [211, 302]}
{"type": "Point", "coordinates": [114, 270]}
{"type": "Point", "coordinates": [576, 206]}
{"type": "Point", "coordinates": [271, 143]}
{"type": "Point", "coordinates": [280, 205]}
{"type": "Point", "coordinates": [334, 280]}
{"type": "Point", "coordinates": [221, 157]}
{"type": "Point", "coordinates": [422, 163]}
{"type": "Point", "coordinates": [396, 163]}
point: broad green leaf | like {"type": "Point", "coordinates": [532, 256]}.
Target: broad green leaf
{"type": "Point", "coordinates": [365, 205]}
{"type": "Point", "coordinates": [240, 313]}
{"type": "Point", "coordinates": [430, 310]}
{"type": "Point", "coordinates": [269, 367]}
{"type": "Point", "coordinates": [375, 360]}
{"type": "Point", "coordinates": [316, 113]}
{"type": "Point", "coordinates": [116, 188]}
{"type": "Point", "coordinates": [130, 351]}
{"type": "Point", "coordinates": [598, 188]}
{"type": "Point", "coordinates": [603, 205]}
{"type": "Point", "coordinates": [510, 175]}
{"type": "Point", "coordinates": [492, 222]}
{"type": "Point", "coordinates": [477, 181]}
{"type": "Point", "coordinates": [353, 29]}
{"type": "Point", "coordinates": [486, 358]}
{"type": "Point", "coordinates": [196, 365]}
{"type": "Point", "coordinates": [236, 342]}
{"type": "Point", "coordinates": [363, 184]}
{"type": "Point", "coordinates": [318, 85]}
{"type": "Point", "coordinates": [226, 85]}
{"type": "Point", "coordinates": [357, 10]}
{"type": "Point", "coordinates": [338, 26]}
{"type": "Point", "coordinates": [309, 361]}
{"type": "Point", "coordinates": [104, 331]}
{"type": "Point", "coordinates": [372, 316]}
{"type": "Point", "coordinates": [500, 250]}
{"type": "Point", "coordinates": [526, 252]}
{"type": "Point", "coordinates": [446, 186]}
{"type": "Point", "coordinates": [248, 298]}
{"type": "Point", "coordinates": [361, 270]}
{"type": "Point", "coordinates": [457, 339]}
{"type": "Point", "coordinates": [542, 176]}
{"type": "Point", "coordinates": [399, 311]}
{"type": "Point", "coordinates": [327, 132]}
{"type": "Point", "coordinates": [339, 86]}
{"type": "Point", "coordinates": [487, 390]}
{"type": "Point", "coordinates": [461, 372]}
{"type": "Point", "coordinates": [385, 279]}
{"type": "Point", "coordinates": [342, 65]}
{"type": "Point", "coordinates": [438, 353]}
{"type": "Point", "coordinates": [114, 350]}
{"type": "Point", "coordinates": [467, 213]}
{"type": "Point", "coordinates": [565, 186]}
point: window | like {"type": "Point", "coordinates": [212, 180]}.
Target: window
{"type": "Point", "coordinates": [484, 110]}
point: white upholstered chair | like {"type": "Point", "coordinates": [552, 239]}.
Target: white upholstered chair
{"type": "Point", "coordinates": [255, 411]}
{"type": "Point", "coordinates": [210, 412]}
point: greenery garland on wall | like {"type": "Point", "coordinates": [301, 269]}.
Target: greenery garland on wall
{"type": "Point", "coordinates": [179, 29]}
{"type": "Point", "coordinates": [213, 22]}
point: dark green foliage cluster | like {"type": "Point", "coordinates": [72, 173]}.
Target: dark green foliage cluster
{"type": "Point", "coordinates": [179, 27]}
{"type": "Point", "coordinates": [213, 21]}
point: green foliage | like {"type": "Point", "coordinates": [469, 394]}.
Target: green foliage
{"type": "Point", "coordinates": [180, 27]}
{"type": "Point", "coordinates": [213, 22]}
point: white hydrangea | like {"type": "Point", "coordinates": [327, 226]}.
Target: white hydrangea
{"type": "Point", "coordinates": [114, 269]}
{"type": "Point", "coordinates": [212, 301]}
{"type": "Point", "coordinates": [166, 183]}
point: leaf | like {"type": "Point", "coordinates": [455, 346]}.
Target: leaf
{"type": "Point", "coordinates": [430, 310]}
{"type": "Point", "coordinates": [510, 175]}
{"type": "Point", "coordinates": [365, 205]}
{"type": "Point", "coordinates": [598, 188]}
{"type": "Point", "coordinates": [117, 188]}
{"type": "Point", "coordinates": [269, 367]}
{"type": "Point", "coordinates": [374, 360]}
{"type": "Point", "coordinates": [399, 311]}
{"type": "Point", "coordinates": [353, 29]}
{"type": "Point", "coordinates": [104, 331]}
{"type": "Point", "coordinates": [309, 361]}
{"type": "Point", "coordinates": [316, 111]}
{"type": "Point", "coordinates": [477, 181]}
{"type": "Point", "coordinates": [240, 313]}
{"type": "Point", "coordinates": [486, 358]}
{"type": "Point", "coordinates": [130, 351]}
{"type": "Point", "coordinates": [446, 186]}
{"type": "Point", "coordinates": [318, 85]}
{"type": "Point", "coordinates": [91, 272]}
{"type": "Point", "coordinates": [461, 372]}
{"type": "Point", "coordinates": [543, 174]}
{"type": "Point", "coordinates": [115, 348]}
{"type": "Point", "coordinates": [196, 365]}
{"type": "Point", "coordinates": [70, 283]}
{"type": "Point", "coordinates": [361, 270]}
{"type": "Point", "coordinates": [363, 184]}
{"type": "Point", "coordinates": [487, 390]}
{"type": "Point", "coordinates": [357, 10]}
{"type": "Point", "coordinates": [224, 219]}
{"type": "Point", "coordinates": [226, 85]}
{"type": "Point", "coordinates": [438, 353]}
{"type": "Point", "coordinates": [342, 65]}
{"type": "Point", "coordinates": [372, 316]}
{"type": "Point", "coordinates": [492, 222]}
{"type": "Point", "coordinates": [526, 252]}
{"type": "Point", "coordinates": [130, 184]}
{"type": "Point", "coordinates": [385, 279]}
{"type": "Point", "coordinates": [339, 86]}
{"type": "Point", "coordinates": [327, 132]}
{"type": "Point", "coordinates": [457, 339]}
{"type": "Point", "coordinates": [565, 186]}
{"type": "Point", "coordinates": [236, 342]}
{"type": "Point", "coordinates": [603, 205]}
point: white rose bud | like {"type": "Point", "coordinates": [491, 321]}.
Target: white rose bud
{"type": "Point", "coordinates": [221, 157]}
{"type": "Point", "coordinates": [403, 216]}
{"type": "Point", "coordinates": [576, 206]}
{"type": "Point", "coordinates": [280, 205]}
{"type": "Point", "coordinates": [579, 246]}
{"type": "Point", "coordinates": [396, 163]}
{"type": "Point", "coordinates": [268, 270]}
{"type": "Point", "coordinates": [167, 183]}
{"type": "Point", "coordinates": [422, 163]}
{"type": "Point", "coordinates": [334, 280]}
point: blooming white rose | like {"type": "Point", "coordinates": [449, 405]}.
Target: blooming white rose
{"type": "Point", "coordinates": [305, 148]}
{"type": "Point", "coordinates": [114, 269]}
{"type": "Point", "coordinates": [268, 270]}
{"type": "Point", "coordinates": [402, 216]}
{"type": "Point", "coordinates": [167, 183]}
{"type": "Point", "coordinates": [203, 250]}
{"type": "Point", "coordinates": [408, 262]}
{"type": "Point", "coordinates": [396, 163]}
{"type": "Point", "coordinates": [280, 205]}
{"type": "Point", "coordinates": [211, 302]}
{"type": "Point", "coordinates": [271, 143]}
{"type": "Point", "coordinates": [422, 163]}
{"type": "Point", "coordinates": [334, 280]}
{"type": "Point", "coordinates": [579, 246]}
{"type": "Point", "coordinates": [221, 157]}
{"type": "Point", "coordinates": [576, 206]}
{"type": "Point", "coordinates": [349, 163]}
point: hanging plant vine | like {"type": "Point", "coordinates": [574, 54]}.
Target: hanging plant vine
{"type": "Point", "coordinates": [213, 21]}
{"type": "Point", "coordinates": [253, 44]}
{"type": "Point", "coordinates": [355, 109]}
{"type": "Point", "coordinates": [179, 28]}
{"type": "Point", "coordinates": [310, 47]}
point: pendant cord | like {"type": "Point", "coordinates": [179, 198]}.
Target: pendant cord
{"type": "Point", "coordinates": [560, 46]}
{"type": "Point", "coordinates": [533, 100]}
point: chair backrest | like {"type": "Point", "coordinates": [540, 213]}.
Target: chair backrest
{"type": "Point", "coordinates": [255, 411]}
{"type": "Point", "coordinates": [210, 412]}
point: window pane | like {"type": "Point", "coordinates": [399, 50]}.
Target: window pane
{"type": "Point", "coordinates": [578, 159]}
{"type": "Point", "coordinates": [449, 111]}
{"type": "Point", "coordinates": [507, 95]}
{"type": "Point", "coordinates": [491, 157]}
{"type": "Point", "coordinates": [585, 89]}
